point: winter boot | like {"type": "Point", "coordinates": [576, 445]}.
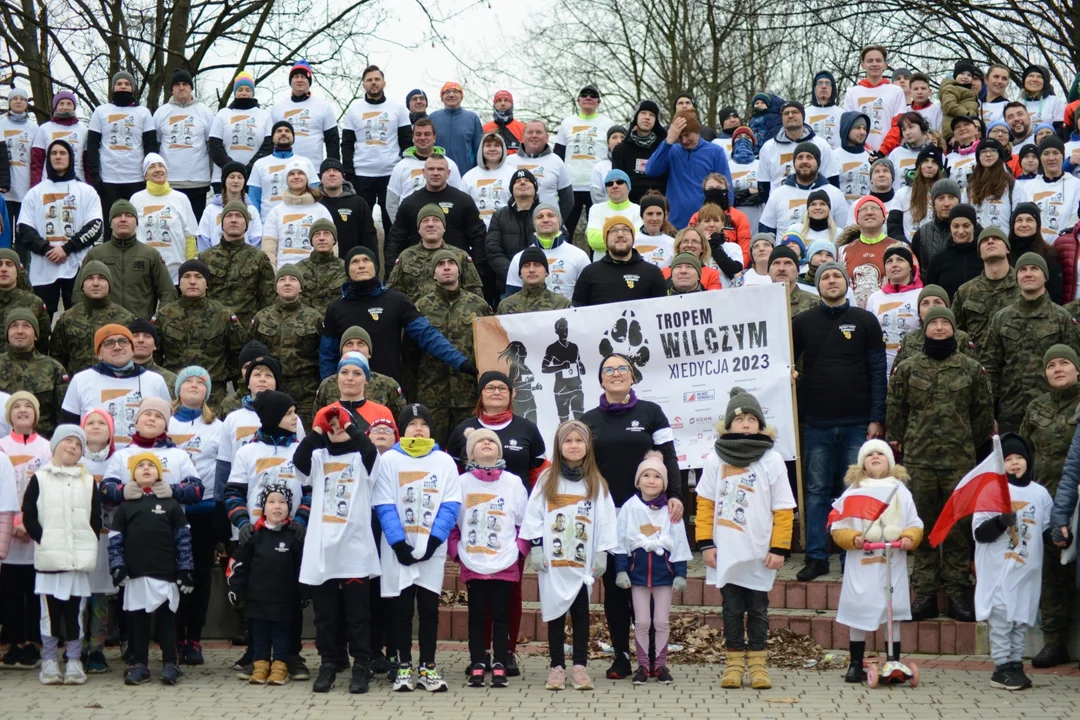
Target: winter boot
{"type": "Point", "coordinates": [734, 666]}
{"type": "Point", "coordinates": [279, 673]}
{"type": "Point", "coordinates": [260, 673]}
{"type": "Point", "coordinates": [759, 674]}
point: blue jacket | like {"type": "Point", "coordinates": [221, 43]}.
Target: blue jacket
{"type": "Point", "coordinates": [686, 170]}
{"type": "Point", "coordinates": [649, 569]}
{"type": "Point", "coordinates": [444, 522]}
{"type": "Point", "coordinates": [459, 131]}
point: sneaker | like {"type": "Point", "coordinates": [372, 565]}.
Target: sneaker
{"type": "Point", "coordinates": [556, 679]}
{"type": "Point", "coordinates": [392, 669]}
{"type": "Point", "coordinates": [403, 679]}
{"type": "Point", "coordinates": [298, 669]}
{"type": "Point", "coordinates": [581, 678]}
{"type": "Point", "coordinates": [50, 673]}
{"type": "Point", "coordinates": [1021, 676]}
{"type": "Point", "coordinates": [476, 675]}
{"type": "Point", "coordinates": [170, 674]}
{"type": "Point", "coordinates": [430, 680]}
{"type": "Point", "coordinates": [243, 662]}
{"type": "Point", "coordinates": [29, 657]}
{"type": "Point", "coordinates": [1004, 679]}
{"type": "Point", "coordinates": [513, 665]}
{"type": "Point", "coordinates": [379, 664]}
{"type": "Point", "coordinates": [486, 664]}
{"type": "Point", "coordinates": [74, 674]}
{"type": "Point", "coordinates": [619, 669]}
{"type": "Point", "coordinates": [641, 676]}
{"type": "Point", "coordinates": [11, 657]}
{"type": "Point", "coordinates": [181, 653]}
{"type": "Point", "coordinates": [137, 674]}
{"type": "Point", "coordinates": [813, 569]}
{"type": "Point", "coordinates": [663, 675]}
{"type": "Point", "coordinates": [324, 681]}
{"type": "Point", "coordinates": [499, 676]}
{"type": "Point", "coordinates": [194, 654]}
{"type": "Point", "coordinates": [361, 676]}
{"type": "Point", "coordinates": [243, 672]}
{"type": "Point", "coordinates": [96, 663]}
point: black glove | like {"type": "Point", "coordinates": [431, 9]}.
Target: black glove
{"type": "Point", "coordinates": [299, 530]}
{"type": "Point", "coordinates": [246, 531]}
{"type": "Point", "coordinates": [469, 368]}
{"type": "Point", "coordinates": [433, 544]}
{"type": "Point", "coordinates": [1006, 520]}
{"type": "Point", "coordinates": [119, 575]}
{"type": "Point", "coordinates": [403, 550]}
{"type": "Point", "coordinates": [186, 582]}
{"type": "Point", "coordinates": [1057, 536]}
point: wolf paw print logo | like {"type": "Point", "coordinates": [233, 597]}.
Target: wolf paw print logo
{"type": "Point", "coordinates": [625, 338]}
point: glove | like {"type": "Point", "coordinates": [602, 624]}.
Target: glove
{"type": "Point", "coordinates": [469, 368]}
{"type": "Point", "coordinates": [322, 419]}
{"type": "Point", "coordinates": [299, 530]}
{"type": "Point", "coordinates": [599, 564]}
{"type": "Point", "coordinates": [1007, 520]}
{"type": "Point", "coordinates": [433, 544]}
{"type": "Point", "coordinates": [1057, 536]}
{"type": "Point", "coordinates": [679, 584]}
{"type": "Point", "coordinates": [403, 550]}
{"type": "Point", "coordinates": [119, 575]}
{"type": "Point", "coordinates": [246, 531]}
{"type": "Point", "coordinates": [234, 600]}
{"type": "Point", "coordinates": [132, 491]}
{"type": "Point", "coordinates": [344, 416]}
{"type": "Point", "coordinates": [186, 582]}
{"type": "Point", "coordinates": [622, 580]}
{"type": "Point", "coordinates": [161, 489]}
{"type": "Point", "coordinates": [537, 559]}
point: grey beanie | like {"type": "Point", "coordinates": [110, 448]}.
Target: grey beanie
{"type": "Point", "coordinates": [122, 75]}
{"type": "Point", "coordinates": [547, 206]}
{"type": "Point", "coordinates": [741, 402]}
{"type": "Point", "coordinates": [885, 162]}
{"type": "Point", "coordinates": [945, 186]}
{"type": "Point", "coordinates": [65, 431]}
{"type": "Point", "coordinates": [831, 265]}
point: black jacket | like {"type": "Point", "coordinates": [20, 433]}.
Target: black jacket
{"type": "Point", "coordinates": [509, 233]}
{"type": "Point", "coordinates": [609, 281]}
{"type": "Point", "coordinates": [265, 572]}
{"type": "Point", "coordinates": [464, 228]}
{"type": "Point", "coordinates": [954, 266]}
{"type": "Point", "coordinates": [149, 543]}
{"type": "Point", "coordinates": [353, 218]}
{"type": "Point", "coordinates": [630, 157]}
{"type": "Point", "coordinates": [523, 446]}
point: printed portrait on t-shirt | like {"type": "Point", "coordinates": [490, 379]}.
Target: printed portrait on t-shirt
{"type": "Point", "coordinates": [560, 524]}
{"type": "Point", "coordinates": [556, 548]}
{"type": "Point", "coordinates": [426, 522]}
{"type": "Point", "coordinates": [579, 553]}
{"type": "Point", "coordinates": [474, 518]}
{"type": "Point", "coordinates": [471, 538]}
{"type": "Point", "coordinates": [579, 531]}
{"type": "Point", "coordinates": [493, 523]}
{"type": "Point", "coordinates": [410, 516]}
{"type": "Point", "coordinates": [410, 495]}
{"type": "Point", "coordinates": [342, 509]}
{"type": "Point", "coordinates": [493, 541]}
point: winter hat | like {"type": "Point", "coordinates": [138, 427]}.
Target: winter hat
{"type": "Point", "coordinates": [614, 220]}
{"type": "Point", "coordinates": [615, 129]}
{"type": "Point", "coordinates": [960, 119]}
{"type": "Point", "coordinates": [877, 445]}
{"type": "Point", "coordinates": [451, 85]}
{"type": "Point", "coordinates": [547, 206]}
{"type": "Point", "coordinates": [362, 250]}
{"type": "Point", "coordinates": [192, 371]}
{"type": "Point", "coordinates": [231, 167]}
{"type": "Point", "coordinates": [489, 377]}
{"type": "Point", "coordinates": [410, 413]}
{"type": "Point", "coordinates": [267, 361]}
{"type": "Point", "coordinates": [901, 72]}
{"type": "Point", "coordinates": [243, 79]}
{"type": "Point", "coordinates": [654, 461]}
{"type": "Point", "coordinates": [63, 95]}
{"type": "Point", "coordinates": [808, 147]}
{"type": "Point", "coordinates": [933, 291]}
{"type": "Point", "coordinates": [565, 428]}
{"type": "Point", "coordinates": [354, 333]}
{"type": "Point", "coordinates": [503, 94]}
{"type": "Point", "coordinates": [156, 404]}
{"type": "Point", "coordinates": [123, 207]}
{"type": "Point", "coordinates": [903, 251]}
{"type": "Point", "coordinates": [648, 201]}
{"type": "Point", "coordinates": [385, 423]}
{"type": "Point", "coordinates": [887, 163]}
{"type": "Point", "coordinates": [122, 75]}
{"type": "Point", "coordinates": [819, 245]}
{"type": "Point", "coordinates": [532, 254]}
{"type": "Point", "coordinates": [1031, 258]}
{"type": "Point", "coordinates": [995, 232]}
{"type": "Point", "coordinates": [1015, 444]}
{"type": "Point", "coordinates": [930, 152]}
{"type": "Point", "coordinates": [868, 200]}
{"type": "Point", "coordinates": [693, 124]}
{"type": "Point", "coordinates": [140, 325]}
{"type": "Point", "coordinates": [301, 67]}
{"type": "Point", "coordinates": [431, 210]}
{"type": "Point", "coordinates": [819, 195]}
{"type": "Point", "coordinates": [939, 312]}
{"type": "Point", "coordinates": [276, 487]}
{"type": "Point", "coordinates": [963, 66]}
{"type": "Point", "coordinates": [685, 258]}
{"type": "Point", "coordinates": [236, 206]}
{"type": "Point", "coordinates": [831, 265]}
{"type": "Point", "coordinates": [251, 350]}
{"type": "Point", "coordinates": [413, 93]}
{"type": "Point", "coordinates": [297, 163]}
{"type": "Point", "coordinates": [108, 422]}
{"type": "Point", "coordinates": [481, 434]}
{"type": "Point", "coordinates": [32, 399]}
{"type": "Point", "coordinates": [782, 251]}
{"type": "Point", "coordinates": [963, 210]}
{"type": "Point", "coordinates": [271, 406]}
{"type": "Point", "coordinates": [523, 174]}
{"type": "Point", "coordinates": [357, 360]}
{"type": "Point", "coordinates": [282, 124]}
{"type": "Point", "coordinates": [1052, 353]}
{"type": "Point", "coordinates": [724, 113]}
{"type": "Point", "coordinates": [134, 460]}
{"type": "Point", "coordinates": [9, 254]}
{"type": "Point", "coordinates": [616, 174]}
{"type": "Point", "coordinates": [945, 186]}
{"type": "Point", "coordinates": [740, 401]}
{"type": "Point", "coordinates": [1031, 149]}
{"type": "Point", "coordinates": [1051, 142]}
{"type": "Point", "coordinates": [194, 265]}
{"type": "Point", "coordinates": [180, 75]}
{"type": "Point", "coordinates": [65, 431]}
{"type": "Point", "coordinates": [444, 253]}
{"type": "Point", "coordinates": [323, 224]}
{"type": "Point", "coordinates": [95, 267]}
{"type": "Point", "coordinates": [107, 331]}
{"type": "Point", "coordinates": [153, 159]}
{"type": "Point", "coordinates": [289, 270]}
{"type": "Point", "coordinates": [794, 237]}
{"type": "Point", "coordinates": [743, 131]}
{"type": "Point", "coordinates": [798, 106]}
{"type": "Point", "coordinates": [992, 144]}
{"type": "Point", "coordinates": [648, 106]}
{"type": "Point", "coordinates": [18, 92]}
{"type": "Point", "coordinates": [22, 313]}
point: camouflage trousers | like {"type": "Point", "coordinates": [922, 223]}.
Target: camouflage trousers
{"type": "Point", "coordinates": [949, 563]}
{"type": "Point", "coordinates": [1058, 596]}
{"type": "Point", "coordinates": [446, 419]}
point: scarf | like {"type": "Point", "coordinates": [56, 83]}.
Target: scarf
{"type": "Point", "coordinates": [939, 349]}
{"type": "Point", "coordinates": [123, 98]}
{"type": "Point", "coordinates": [158, 189]}
{"type": "Point", "coordinates": [498, 418]}
{"type": "Point", "coordinates": [547, 242]}
{"type": "Point", "coordinates": [873, 240]}
{"type": "Point", "coordinates": [819, 224]}
{"type": "Point", "coordinates": [742, 151]}
{"type": "Point", "coordinates": [573, 474]}
{"type": "Point", "coordinates": [244, 104]}
{"type": "Point", "coordinates": [18, 118]}
{"type": "Point", "coordinates": [742, 450]}
{"type": "Point", "coordinates": [486, 474]}
{"type": "Point", "coordinates": [883, 196]}
{"type": "Point", "coordinates": [618, 408]}
{"type": "Point", "coordinates": [161, 440]}
{"type": "Point", "coordinates": [119, 371]}
{"type": "Point", "coordinates": [656, 503]}
{"type": "Point", "coordinates": [646, 141]}
{"type": "Point", "coordinates": [248, 403]}
{"type": "Point", "coordinates": [417, 447]}
{"type": "Point", "coordinates": [969, 150]}
{"type": "Point", "coordinates": [186, 414]}
{"type": "Point", "coordinates": [275, 436]}
{"type": "Point", "coordinates": [504, 117]}
{"type": "Point", "coordinates": [97, 455]}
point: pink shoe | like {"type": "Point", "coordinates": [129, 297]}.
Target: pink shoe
{"type": "Point", "coordinates": [556, 679]}
{"type": "Point", "coordinates": [581, 678]}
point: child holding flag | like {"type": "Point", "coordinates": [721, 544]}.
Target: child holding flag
{"type": "Point", "coordinates": [876, 507]}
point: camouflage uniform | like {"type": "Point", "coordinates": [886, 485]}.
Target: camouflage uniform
{"type": "Point", "coordinates": [535, 299]}
{"type": "Point", "coordinates": [801, 301]}
{"type": "Point", "coordinates": [414, 273]}
{"type": "Point", "coordinates": [141, 281]}
{"type": "Point", "coordinates": [15, 297]}
{"type": "Point", "coordinates": [170, 377]}
{"type": "Point", "coordinates": [241, 278]}
{"type": "Point", "coordinates": [1074, 308]}
{"type": "Point", "coordinates": [1013, 356]}
{"type": "Point", "coordinates": [977, 302]}
{"type": "Point", "coordinates": [912, 345]}
{"type": "Point", "coordinates": [293, 331]}
{"type": "Point", "coordinates": [1049, 425]}
{"type": "Point", "coordinates": [940, 411]}
{"type": "Point", "coordinates": [382, 389]}
{"type": "Point", "coordinates": [38, 374]}
{"type": "Point", "coordinates": [232, 401]}
{"type": "Point", "coordinates": [324, 274]}
{"type": "Point", "coordinates": [450, 395]}
{"type": "Point", "coordinates": [73, 337]}
{"type": "Point", "coordinates": [203, 332]}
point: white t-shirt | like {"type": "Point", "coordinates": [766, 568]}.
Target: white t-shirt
{"type": "Point", "coordinates": [58, 210]}
{"type": "Point", "coordinates": [902, 202]}
{"type": "Point", "coordinates": [19, 462]}
{"type": "Point", "coordinates": [489, 520]}
{"type": "Point", "coordinates": [932, 115]}
{"type": "Point", "coordinates": [120, 397]}
{"type": "Point", "coordinates": [574, 529]}
{"type": "Point", "coordinates": [165, 224]}
{"type": "Point", "coordinates": [489, 189]}
{"type": "Point", "coordinates": [787, 206]}
{"type": "Point", "coordinates": [290, 225]}
{"type": "Point", "coordinates": [655, 249]}
{"type": "Point", "coordinates": [585, 142]}
{"type": "Point", "coordinates": [1050, 109]}
{"type": "Point", "coordinates": [1057, 201]}
{"type": "Point", "coordinates": [752, 277]}
{"type": "Point", "coordinates": [259, 464]}
{"type": "Point", "coordinates": [242, 132]}
{"type": "Point", "coordinates": [881, 104]}
{"type": "Point", "coordinates": [238, 429]}
{"type": "Point", "coordinates": [200, 441]}
{"type": "Point", "coordinates": [210, 226]}
{"type": "Point", "coordinates": [565, 263]}
{"type": "Point", "coordinates": [640, 526]}
{"type": "Point", "coordinates": [408, 176]}
{"type": "Point", "coordinates": [898, 314]}
{"type": "Point", "coordinates": [961, 167]}
{"type": "Point", "coordinates": [376, 127]}
{"type": "Point", "coordinates": [122, 151]}
{"type": "Point", "coordinates": [74, 135]}
{"type": "Point", "coordinates": [777, 160]}
{"type": "Point", "coordinates": [175, 463]}
{"type": "Point", "coordinates": [597, 189]}
{"type": "Point", "coordinates": [269, 173]}
{"type": "Point", "coordinates": [996, 212]}
{"type": "Point", "coordinates": [854, 173]}
{"type": "Point", "coordinates": [826, 123]}
{"type": "Point", "coordinates": [183, 131]}
{"type": "Point", "coordinates": [310, 119]}
{"type": "Point", "coordinates": [744, 503]}
{"type": "Point", "coordinates": [550, 172]}
{"type": "Point", "coordinates": [903, 159]}
{"type": "Point", "coordinates": [19, 138]}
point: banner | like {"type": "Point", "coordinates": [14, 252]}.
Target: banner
{"type": "Point", "coordinates": [690, 350]}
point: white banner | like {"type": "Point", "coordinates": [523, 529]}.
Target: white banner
{"type": "Point", "coordinates": [690, 350]}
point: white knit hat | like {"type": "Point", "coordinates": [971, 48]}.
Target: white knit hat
{"type": "Point", "coordinates": [150, 159]}
{"type": "Point", "coordinates": [880, 446]}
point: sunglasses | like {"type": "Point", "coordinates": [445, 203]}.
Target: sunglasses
{"type": "Point", "coordinates": [613, 183]}
{"type": "Point", "coordinates": [594, 96]}
{"type": "Point", "coordinates": [620, 369]}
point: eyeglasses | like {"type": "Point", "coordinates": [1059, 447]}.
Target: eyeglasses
{"type": "Point", "coordinates": [613, 183]}
{"type": "Point", "coordinates": [492, 389]}
{"type": "Point", "coordinates": [116, 342]}
{"type": "Point", "coordinates": [378, 430]}
{"type": "Point", "coordinates": [620, 369]}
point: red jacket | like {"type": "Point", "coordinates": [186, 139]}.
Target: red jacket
{"type": "Point", "coordinates": [516, 128]}
{"type": "Point", "coordinates": [1066, 246]}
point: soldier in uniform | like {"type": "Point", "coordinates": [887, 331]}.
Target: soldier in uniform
{"type": "Point", "coordinates": [242, 278]}
{"type": "Point", "coordinates": [534, 295]}
{"type": "Point", "coordinates": [144, 344]}
{"type": "Point", "coordinates": [784, 268]}
{"type": "Point", "coordinates": [196, 330]}
{"type": "Point", "coordinates": [323, 271]}
{"type": "Point", "coordinates": [292, 331]}
{"type": "Point", "coordinates": [141, 281]}
{"type": "Point", "coordinates": [1020, 335]}
{"type": "Point", "coordinates": [413, 272]}
{"type": "Point", "coordinates": [383, 389]}
{"type": "Point", "coordinates": [252, 350]}
{"type": "Point", "coordinates": [13, 296]}
{"type": "Point", "coordinates": [452, 310]}
{"type": "Point", "coordinates": [978, 300]}
{"type": "Point", "coordinates": [1049, 424]}
{"type": "Point", "coordinates": [912, 344]}
{"type": "Point", "coordinates": [939, 411]}
{"type": "Point", "coordinates": [685, 274]}
{"type": "Point", "coordinates": [24, 368]}
{"type": "Point", "coordinates": [72, 342]}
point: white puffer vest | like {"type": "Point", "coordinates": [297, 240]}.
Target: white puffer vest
{"type": "Point", "coordinates": [68, 543]}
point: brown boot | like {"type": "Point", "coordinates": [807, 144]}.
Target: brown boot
{"type": "Point", "coordinates": [260, 673]}
{"type": "Point", "coordinates": [734, 666]}
{"type": "Point", "coordinates": [279, 673]}
{"type": "Point", "coordinates": [759, 674]}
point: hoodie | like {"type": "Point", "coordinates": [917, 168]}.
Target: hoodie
{"type": "Point", "coordinates": [1046, 107]}
{"type": "Point", "coordinates": [489, 186]}
{"type": "Point", "coordinates": [852, 161]}
{"type": "Point", "coordinates": [353, 220]}
{"type": "Point", "coordinates": [825, 117]}
{"type": "Point", "coordinates": [632, 155]}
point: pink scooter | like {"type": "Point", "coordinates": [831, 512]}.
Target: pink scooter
{"type": "Point", "coordinates": [891, 671]}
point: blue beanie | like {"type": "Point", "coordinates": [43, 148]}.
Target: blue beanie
{"type": "Point", "coordinates": [356, 359]}
{"type": "Point", "coordinates": [413, 93]}
{"type": "Point", "coordinates": [794, 236]}
{"type": "Point", "coordinates": [190, 372]}
{"type": "Point", "coordinates": [617, 175]}
{"type": "Point", "coordinates": [819, 245]}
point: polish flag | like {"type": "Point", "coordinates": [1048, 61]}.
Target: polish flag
{"type": "Point", "coordinates": [866, 503]}
{"type": "Point", "coordinates": [984, 489]}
